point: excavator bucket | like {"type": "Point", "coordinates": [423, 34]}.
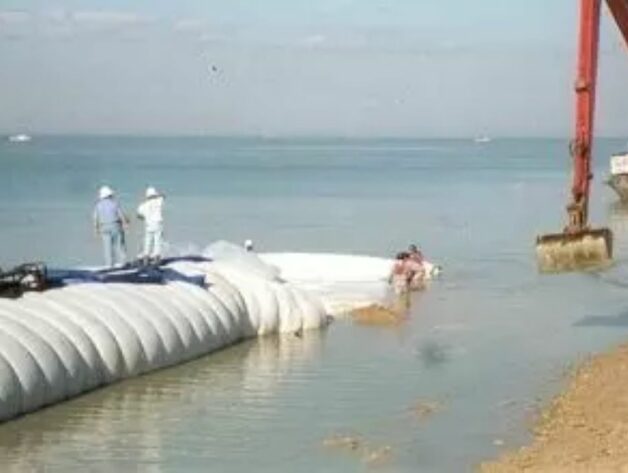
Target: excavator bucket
{"type": "Point", "coordinates": [585, 250]}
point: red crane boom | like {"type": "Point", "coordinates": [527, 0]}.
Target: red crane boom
{"type": "Point", "coordinates": [585, 87]}
{"type": "Point", "coordinates": [580, 247]}
{"type": "Point", "coordinates": [619, 9]}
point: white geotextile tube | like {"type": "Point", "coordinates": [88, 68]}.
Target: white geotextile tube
{"type": "Point", "coordinates": [253, 378]}
{"type": "Point", "coordinates": [59, 343]}
{"type": "Point", "coordinates": [333, 267]}
{"type": "Point", "coordinates": [343, 282]}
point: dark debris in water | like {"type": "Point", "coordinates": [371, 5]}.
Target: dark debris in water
{"type": "Point", "coordinates": [432, 353]}
{"type": "Point", "coordinates": [619, 320]}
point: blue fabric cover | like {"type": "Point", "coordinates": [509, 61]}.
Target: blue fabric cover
{"type": "Point", "coordinates": [134, 273]}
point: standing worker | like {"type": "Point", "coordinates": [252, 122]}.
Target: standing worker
{"type": "Point", "coordinates": [416, 260]}
{"type": "Point", "coordinates": [151, 211]}
{"type": "Point", "coordinates": [109, 224]}
{"type": "Point", "coordinates": [400, 277]}
{"type": "Point", "coordinates": [415, 254]}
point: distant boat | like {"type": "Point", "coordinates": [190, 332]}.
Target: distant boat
{"type": "Point", "coordinates": [20, 138]}
{"type": "Point", "coordinates": [482, 139]}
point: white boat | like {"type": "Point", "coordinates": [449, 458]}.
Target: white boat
{"type": "Point", "coordinates": [20, 138]}
{"type": "Point", "coordinates": [482, 139]}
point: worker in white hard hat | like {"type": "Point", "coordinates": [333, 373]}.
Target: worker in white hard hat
{"type": "Point", "coordinates": [151, 211]}
{"type": "Point", "coordinates": [109, 223]}
{"type": "Point", "coordinates": [248, 245]}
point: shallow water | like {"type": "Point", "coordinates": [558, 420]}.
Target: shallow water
{"type": "Point", "coordinates": [486, 342]}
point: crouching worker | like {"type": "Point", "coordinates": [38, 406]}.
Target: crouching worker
{"type": "Point", "coordinates": [151, 212]}
{"type": "Point", "coordinates": [109, 224]}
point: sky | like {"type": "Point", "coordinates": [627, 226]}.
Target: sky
{"type": "Point", "coordinates": [399, 68]}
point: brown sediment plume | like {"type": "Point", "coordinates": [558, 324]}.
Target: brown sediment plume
{"type": "Point", "coordinates": [343, 442]}
{"type": "Point", "coordinates": [376, 456]}
{"type": "Point", "coordinates": [424, 409]}
{"type": "Point", "coordinates": [585, 429]}
{"type": "Point", "coordinates": [377, 315]}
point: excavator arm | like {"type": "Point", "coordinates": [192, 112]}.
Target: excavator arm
{"type": "Point", "coordinates": [580, 247]}
{"type": "Point", "coordinates": [585, 87]}
{"type": "Point", "coordinates": [619, 9]}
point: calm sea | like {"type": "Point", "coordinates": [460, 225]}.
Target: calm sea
{"type": "Point", "coordinates": [484, 346]}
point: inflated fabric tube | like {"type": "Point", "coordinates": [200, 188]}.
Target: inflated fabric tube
{"type": "Point", "coordinates": [341, 282]}
{"type": "Point", "coordinates": [59, 343]}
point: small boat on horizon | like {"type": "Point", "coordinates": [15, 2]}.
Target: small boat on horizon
{"type": "Point", "coordinates": [481, 139]}
{"type": "Point", "coordinates": [20, 138]}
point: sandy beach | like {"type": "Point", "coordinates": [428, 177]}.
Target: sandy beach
{"type": "Point", "coordinates": [585, 428]}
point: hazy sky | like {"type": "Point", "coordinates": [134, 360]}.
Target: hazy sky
{"type": "Point", "coordinates": [294, 67]}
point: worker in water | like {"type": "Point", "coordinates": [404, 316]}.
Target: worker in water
{"type": "Point", "coordinates": [400, 277]}
{"type": "Point", "coordinates": [248, 245]}
{"type": "Point", "coordinates": [110, 223]}
{"type": "Point", "coordinates": [415, 254]}
{"type": "Point", "coordinates": [416, 266]}
{"type": "Point", "coordinates": [151, 212]}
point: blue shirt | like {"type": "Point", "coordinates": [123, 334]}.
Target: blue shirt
{"type": "Point", "coordinates": [107, 213]}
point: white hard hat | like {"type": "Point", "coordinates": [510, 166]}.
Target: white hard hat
{"type": "Point", "coordinates": [248, 244]}
{"type": "Point", "coordinates": [151, 192]}
{"type": "Point", "coordinates": [105, 192]}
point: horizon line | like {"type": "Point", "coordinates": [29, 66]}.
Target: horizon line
{"type": "Point", "coordinates": [313, 136]}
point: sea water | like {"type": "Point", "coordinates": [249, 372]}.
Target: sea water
{"type": "Point", "coordinates": [485, 345]}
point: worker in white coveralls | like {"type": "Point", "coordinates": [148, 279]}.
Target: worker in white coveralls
{"type": "Point", "coordinates": [151, 211]}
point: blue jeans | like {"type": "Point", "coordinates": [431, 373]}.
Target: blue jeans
{"type": "Point", "coordinates": [113, 245]}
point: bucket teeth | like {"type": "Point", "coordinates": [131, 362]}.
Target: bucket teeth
{"type": "Point", "coordinates": [587, 250]}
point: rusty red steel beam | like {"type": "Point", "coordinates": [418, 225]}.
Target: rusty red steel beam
{"type": "Point", "coordinates": [619, 9]}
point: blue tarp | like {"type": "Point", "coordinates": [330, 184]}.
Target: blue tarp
{"type": "Point", "coordinates": [134, 273]}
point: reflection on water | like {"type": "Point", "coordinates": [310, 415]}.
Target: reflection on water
{"type": "Point", "coordinates": [618, 222]}
{"type": "Point", "coordinates": [236, 383]}
{"type": "Point", "coordinates": [617, 275]}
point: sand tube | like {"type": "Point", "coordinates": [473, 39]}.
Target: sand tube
{"type": "Point", "coordinates": [343, 282]}
{"type": "Point", "coordinates": [63, 342]}
{"type": "Point", "coordinates": [258, 374]}
{"type": "Point", "coordinates": [60, 343]}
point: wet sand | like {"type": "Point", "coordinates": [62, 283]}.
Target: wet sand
{"type": "Point", "coordinates": [584, 429]}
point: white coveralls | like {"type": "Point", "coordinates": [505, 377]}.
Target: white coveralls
{"type": "Point", "coordinates": [151, 210]}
